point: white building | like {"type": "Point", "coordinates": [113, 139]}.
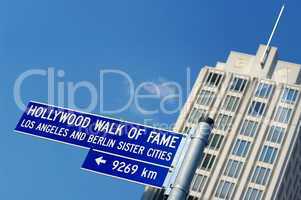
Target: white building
{"type": "Point", "coordinates": [254, 148]}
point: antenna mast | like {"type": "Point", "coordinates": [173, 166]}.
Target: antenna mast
{"type": "Point", "coordinates": [264, 56]}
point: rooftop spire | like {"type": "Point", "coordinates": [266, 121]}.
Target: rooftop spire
{"type": "Point", "coordinates": [267, 48]}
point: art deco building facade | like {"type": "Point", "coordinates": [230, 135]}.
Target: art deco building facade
{"type": "Point", "coordinates": [254, 150]}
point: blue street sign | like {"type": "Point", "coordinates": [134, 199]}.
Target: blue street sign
{"type": "Point", "coordinates": [135, 143]}
{"type": "Point", "coordinates": [124, 168]}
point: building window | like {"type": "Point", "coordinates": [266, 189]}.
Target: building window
{"type": "Point", "coordinates": [196, 114]}
{"type": "Point", "coordinates": [233, 168]}
{"type": "Point", "coordinates": [213, 79]}
{"type": "Point", "coordinates": [256, 109]}
{"type": "Point", "coordinates": [268, 154]}
{"type": "Point", "coordinates": [253, 194]}
{"type": "Point", "coordinates": [261, 175]}
{"type": "Point", "coordinates": [223, 122]}
{"type": "Point", "coordinates": [275, 134]}
{"type": "Point", "coordinates": [198, 182]}
{"type": "Point", "coordinates": [205, 98]}
{"type": "Point", "coordinates": [186, 129]}
{"type": "Point", "coordinates": [289, 95]}
{"type": "Point", "coordinates": [241, 148]}
{"type": "Point", "coordinates": [263, 90]}
{"type": "Point", "coordinates": [224, 190]}
{"type": "Point", "coordinates": [215, 141]}
{"type": "Point", "coordinates": [283, 114]}
{"type": "Point", "coordinates": [249, 128]}
{"type": "Point", "coordinates": [189, 198]}
{"type": "Point", "coordinates": [230, 103]}
{"type": "Point", "coordinates": [208, 161]}
{"type": "Point", "coordinates": [238, 84]}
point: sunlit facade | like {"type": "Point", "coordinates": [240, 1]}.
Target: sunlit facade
{"type": "Point", "coordinates": [254, 148]}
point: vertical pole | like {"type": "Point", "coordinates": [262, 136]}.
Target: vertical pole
{"type": "Point", "coordinates": [265, 53]}
{"type": "Point", "coordinates": [199, 140]}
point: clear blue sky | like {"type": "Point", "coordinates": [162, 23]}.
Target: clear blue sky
{"type": "Point", "coordinates": [149, 40]}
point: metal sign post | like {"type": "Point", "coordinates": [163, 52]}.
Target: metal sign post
{"type": "Point", "coordinates": [199, 140]}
